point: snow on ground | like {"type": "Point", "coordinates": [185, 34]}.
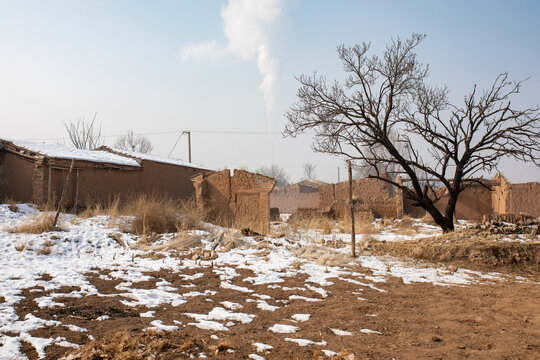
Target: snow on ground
{"type": "Point", "coordinates": [86, 248]}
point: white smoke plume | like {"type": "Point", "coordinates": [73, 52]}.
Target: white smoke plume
{"type": "Point", "coordinates": [248, 25]}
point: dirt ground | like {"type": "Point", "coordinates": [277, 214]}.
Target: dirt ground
{"type": "Point", "coordinates": [495, 321]}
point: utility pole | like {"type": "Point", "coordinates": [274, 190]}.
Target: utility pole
{"type": "Point", "coordinates": [189, 144]}
{"type": "Point", "coordinates": [353, 235]}
{"type": "Point", "coordinates": [338, 174]}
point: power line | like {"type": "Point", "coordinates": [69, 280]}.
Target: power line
{"type": "Point", "coordinates": [219, 132]}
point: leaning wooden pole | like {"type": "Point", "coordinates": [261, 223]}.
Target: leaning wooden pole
{"type": "Point", "coordinates": [66, 185]}
{"type": "Point", "coordinates": [353, 235]}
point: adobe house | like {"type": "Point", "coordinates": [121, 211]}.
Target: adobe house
{"type": "Point", "coordinates": [242, 200]}
{"type": "Point", "coordinates": [36, 172]}
{"type": "Point", "coordinates": [302, 195]}
{"type": "Point", "coordinates": [161, 175]}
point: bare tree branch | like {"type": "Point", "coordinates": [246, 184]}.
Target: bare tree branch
{"type": "Point", "coordinates": [132, 142]}
{"type": "Point", "coordinates": [385, 117]}
{"type": "Point", "coordinates": [84, 135]}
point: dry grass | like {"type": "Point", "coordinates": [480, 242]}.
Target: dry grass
{"type": "Point", "coordinates": [404, 226]}
{"type": "Point", "coordinates": [316, 222]}
{"type": "Point", "coordinates": [46, 249]}
{"type": "Point", "coordinates": [20, 246]}
{"type": "Point", "coordinates": [12, 205]}
{"type": "Point", "coordinates": [110, 208]}
{"type": "Point", "coordinates": [36, 225]}
{"type": "Point", "coordinates": [126, 345]}
{"type": "Point", "coordinates": [363, 224]}
{"type": "Point", "coordinates": [428, 219]}
{"type": "Point", "coordinates": [152, 214]}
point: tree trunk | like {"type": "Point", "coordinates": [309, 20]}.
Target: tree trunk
{"type": "Point", "coordinates": [446, 223]}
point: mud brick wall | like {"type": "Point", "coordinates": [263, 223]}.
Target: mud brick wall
{"type": "Point", "coordinates": [524, 198]}
{"type": "Point", "coordinates": [242, 198]}
{"type": "Point", "coordinates": [16, 177]}
{"type": "Point", "coordinates": [372, 194]}
{"type": "Point", "coordinates": [472, 203]}
{"type": "Point", "coordinates": [326, 196]}
{"type": "Point", "coordinates": [40, 181]}
{"type": "Point", "coordinates": [290, 198]}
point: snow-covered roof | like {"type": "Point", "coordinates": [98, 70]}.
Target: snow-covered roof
{"type": "Point", "coordinates": [64, 152]}
{"type": "Point", "coordinates": [156, 158]}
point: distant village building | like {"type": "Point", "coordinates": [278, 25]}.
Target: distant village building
{"type": "Point", "coordinates": [301, 195]}
{"type": "Point", "coordinates": [382, 200]}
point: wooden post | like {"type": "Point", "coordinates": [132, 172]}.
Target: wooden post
{"type": "Point", "coordinates": [353, 235]}
{"type": "Point", "coordinates": [63, 193]}
{"type": "Point", "coordinates": [49, 184]}
{"type": "Point", "coordinates": [76, 191]}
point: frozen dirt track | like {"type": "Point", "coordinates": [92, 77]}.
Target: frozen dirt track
{"type": "Point", "coordinates": [254, 300]}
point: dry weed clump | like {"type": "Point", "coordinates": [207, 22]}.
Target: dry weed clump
{"type": "Point", "coordinates": [152, 214]}
{"type": "Point", "coordinates": [47, 248]}
{"type": "Point", "coordinates": [363, 223]}
{"type": "Point", "coordinates": [36, 225]}
{"type": "Point", "coordinates": [404, 226]}
{"type": "Point", "coordinates": [428, 219]}
{"type": "Point", "coordinates": [144, 345]}
{"type": "Point", "coordinates": [12, 205]}
{"type": "Point", "coordinates": [313, 221]}
{"type": "Point", "coordinates": [110, 208]}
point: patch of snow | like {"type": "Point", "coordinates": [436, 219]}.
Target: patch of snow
{"type": "Point", "coordinates": [255, 357]}
{"type": "Point", "coordinates": [305, 342]}
{"type": "Point", "coordinates": [301, 317]}
{"type": "Point", "coordinates": [341, 332]}
{"type": "Point", "coordinates": [368, 331]}
{"type": "Point", "coordinates": [263, 305]}
{"type": "Point", "coordinates": [147, 314]}
{"type": "Point", "coordinates": [219, 313]}
{"type": "Point", "coordinates": [283, 329]}
{"type": "Point", "coordinates": [159, 326]}
{"type": "Point", "coordinates": [228, 285]}
{"type": "Point", "coordinates": [299, 297]}
{"type": "Point", "coordinates": [231, 305]}
{"type": "Point", "coordinates": [262, 347]}
{"type": "Point", "coordinates": [210, 325]}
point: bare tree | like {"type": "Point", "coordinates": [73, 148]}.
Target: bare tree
{"type": "Point", "coordinates": [132, 142]}
{"type": "Point", "coordinates": [84, 135]}
{"type": "Point", "coordinates": [275, 172]}
{"type": "Point", "coordinates": [309, 170]}
{"type": "Point", "coordinates": [445, 144]}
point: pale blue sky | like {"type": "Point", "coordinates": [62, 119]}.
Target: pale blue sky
{"type": "Point", "coordinates": [61, 60]}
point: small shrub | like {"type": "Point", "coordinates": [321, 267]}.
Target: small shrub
{"type": "Point", "coordinates": [110, 208]}
{"type": "Point", "coordinates": [428, 219]}
{"type": "Point", "coordinates": [45, 250]}
{"type": "Point", "coordinates": [20, 246]}
{"type": "Point", "coordinates": [38, 224]}
{"type": "Point", "coordinates": [12, 205]}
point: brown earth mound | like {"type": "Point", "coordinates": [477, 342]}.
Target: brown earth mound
{"type": "Point", "coordinates": [471, 248]}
